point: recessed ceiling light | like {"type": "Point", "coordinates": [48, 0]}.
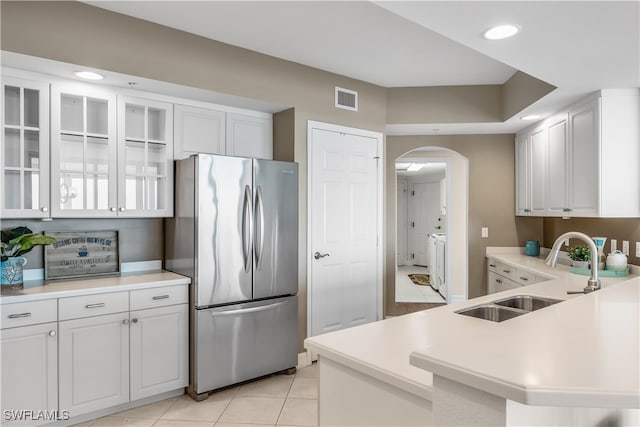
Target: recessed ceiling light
{"type": "Point", "coordinates": [89, 75]}
{"type": "Point", "coordinates": [501, 32]}
{"type": "Point", "coordinates": [530, 117]}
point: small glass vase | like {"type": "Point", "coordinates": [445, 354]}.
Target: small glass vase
{"type": "Point", "coordinates": [11, 272]}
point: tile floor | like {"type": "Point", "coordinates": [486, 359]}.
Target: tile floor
{"type": "Point", "coordinates": [280, 400]}
{"type": "Point", "coordinates": [407, 291]}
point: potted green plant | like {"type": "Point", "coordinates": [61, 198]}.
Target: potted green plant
{"type": "Point", "coordinates": [15, 243]}
{"type": "Point", "coordinates": [580, 255]}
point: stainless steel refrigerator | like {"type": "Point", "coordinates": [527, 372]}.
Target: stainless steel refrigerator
{"type": "Point", "coordinates": [235, 233]}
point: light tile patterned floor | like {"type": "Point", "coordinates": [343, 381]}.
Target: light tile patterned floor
{"type": "Point", "coordinates": [280, 400]}
{"type": "Point", "coordinates": [407, 291]}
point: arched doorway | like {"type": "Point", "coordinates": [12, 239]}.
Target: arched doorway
{"type": "Point", "coordinates": [454, 232]}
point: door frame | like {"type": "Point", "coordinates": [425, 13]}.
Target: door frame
{"type": "Point", "coordinates": [378, 136]}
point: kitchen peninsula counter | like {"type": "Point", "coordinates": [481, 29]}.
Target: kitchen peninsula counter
{"type": "Point", "coordinates": [580, 352]}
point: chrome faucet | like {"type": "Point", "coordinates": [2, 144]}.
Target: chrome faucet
{"type": "Point", "coordinates": [593, 284]}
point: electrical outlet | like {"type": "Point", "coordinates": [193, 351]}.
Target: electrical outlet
{"type": "Point", "coordinates": [625, 247]}
{"type": "Point", "coordinates": [614, 245]}
{"type": "Point", "coordinates": [485, 232]}
{"type": "Point", "coordinates": [637, 249]}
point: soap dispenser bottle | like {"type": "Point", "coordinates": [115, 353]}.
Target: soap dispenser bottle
{"type": "Point", "coordinates": [600, 241]}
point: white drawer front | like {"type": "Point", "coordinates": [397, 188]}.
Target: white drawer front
{"type": "Point", "coordinates": [493, 265]}
{"type": "Point", "coordinates": [93, 305]}
{"type": "Point", "coordinates": [525, 277]}
{"type": "Point", "coordinates": [506, 270]}
{"type": "Point", "coordinates": [28, 313]}
{"type": "Point", "coordinates": [158, 297]}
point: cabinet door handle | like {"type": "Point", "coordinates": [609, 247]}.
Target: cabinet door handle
{"type": "Point", "coordinates": [498, 281]}
{"type": "Point", "coordinates": [566, 210]}
{"type": "Point", "coordinates": [16, 316]}
{"type": "Point", "coordinates": [122, 209]}
{"type": "Point", "coordinates": [523, 278]}
{"type": "Point", "coordinates": [112, 209]}
{"type": "Point", "coordinates": [52, 333]}
{"type": "Point", "coordinates": [44, 209]}
{"type": "Point", "coordinates": [507, 271]}
{"type": "Point", "coordinates": [125, 321]}
{"type": "Point", "coordinates": [527, 210]}
{"type": "Point", "coordinates": [134, 320]}
{"type": "Point", "coordinates": [98, 305]}
{"type": "Point", "coordinates": [161, 297]}
{"type": "Point", "coordinates": [492, 265]}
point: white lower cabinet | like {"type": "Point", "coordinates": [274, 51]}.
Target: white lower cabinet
{"type": "Point", "coordinates": [94, 363]}
{"type": "Point", "coordinates": [502, 277]}
{"type": "Point", "coordinates": [159, 350]}
{"type": "Point", "coordinates": [29, 369]}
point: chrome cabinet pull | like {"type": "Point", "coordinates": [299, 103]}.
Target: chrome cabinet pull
{"type": "Point", "coordinates": [498, 281]}
{"type": "Point", "coordinates": [98, 305]}
{"type": "Point", "coordinates": [125, 321]}
{"type": "Point", "coordinates": [161, 297]}
{"type": "Point", "coordinates": [492, 265]}
{"type": "Point", "coordinates": [15, 316]}
{"type": "Point", "coordinates": [134, 320]}
{"type": "Point", "coordinates": [44, 209]}
{"type": "Point", "coordinates": [523, 278]}
{"type": "Point", "coordinates": [52, 333]}
{"type": "Point", "coordinates": [507, 271]}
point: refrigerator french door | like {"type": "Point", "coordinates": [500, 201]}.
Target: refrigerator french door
{"type": "Point", "coordinates": [235, 233]}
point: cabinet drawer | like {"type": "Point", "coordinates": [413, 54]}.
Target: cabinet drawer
{"type": "Point", "coordinates": [506, 270]}
{"type": "Point", "coordinates": [158, 297]}
{"type": "Point", "coordinates": [493, 265]}
{"type": "Point", "coordinates": [525, 277]}
{"type": "Point", "coordinates": [93, 305]}
{"type": "Point", "coordinates": [28, 313]}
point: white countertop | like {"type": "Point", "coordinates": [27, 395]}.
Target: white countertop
{"type": "Point", "coordinates": [581, 352]}
{"type": "Point", "coordinates": [39, 289]}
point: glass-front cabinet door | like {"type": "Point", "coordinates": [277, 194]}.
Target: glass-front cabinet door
{"type": "Point", "coordinates": [145, 157]}
{"type": "Point", "coordinates": [24, 156]}
{"type": "Point", "coordinates": [83, 151]}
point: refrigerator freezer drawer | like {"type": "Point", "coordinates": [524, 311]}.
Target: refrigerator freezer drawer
{"type": "Point", "coordinates": [244, 341]}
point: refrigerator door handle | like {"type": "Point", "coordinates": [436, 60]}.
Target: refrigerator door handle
{"type": "Point", "coordinates": [259, 227]}
{"type": "Point", "coordinates": [246, 227]}
{"type": "Point", "coordinates": [247, 310]}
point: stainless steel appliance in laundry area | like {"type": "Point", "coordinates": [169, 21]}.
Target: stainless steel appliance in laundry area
{"type": "Point", "coordinates": [235, 233]}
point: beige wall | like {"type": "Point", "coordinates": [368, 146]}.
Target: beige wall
{"type": "Point", "coordinates": [611, 228]}
{"type": "Point", "coordinates": [491, 200]}
{"type": "Point", "coordinates": [520, 91]}
{"type": "Point", "coordinates": [444, 104]}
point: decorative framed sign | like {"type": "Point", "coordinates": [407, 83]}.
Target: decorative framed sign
{"type": "Point", "coordinates": [81, 254]}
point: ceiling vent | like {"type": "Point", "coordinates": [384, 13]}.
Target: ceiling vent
{"type": "Point", "coordinates": [346, 99]}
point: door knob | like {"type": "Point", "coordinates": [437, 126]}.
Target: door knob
{"type": "Point", "coordinates": [318, 255]}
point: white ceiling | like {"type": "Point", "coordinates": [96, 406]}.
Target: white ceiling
{"type": "Point", "coordinates": [578, 46]}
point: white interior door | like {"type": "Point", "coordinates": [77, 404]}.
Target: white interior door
{"type": "Point", "coordinates": [344, 220]}
{"type": "Point", "coordinates": [425, 210]}
{"type": "Point", "coordinates": [402, 217]}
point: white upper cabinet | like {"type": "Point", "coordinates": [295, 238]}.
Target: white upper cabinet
{"type": "Point", "coordinates": [557, 176]}
{"type": "Point", "coordinates": [587, 159]}
{"type": "Point", "coordinates": [145, 158]}
{"type": "Point", "coordinates": [249, 136]}
{"type": "Point", "coordinates": [83, 151]}
{"type": "Point", "coordinates": [198, 130]}
{"type": "Point", "coordinates": [523, 179]}
{"type": "Point", "coordinates": [539, 142]}
{"type": "Point", "coordinates": [24, 157]}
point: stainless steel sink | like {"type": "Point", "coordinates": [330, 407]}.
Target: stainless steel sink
{"type": "Point", "coordinates": [491, 312]}
{"type": "Point", "coordinates": [526, 302]}
{"type": "Point", "coordinates": [508, 308]}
